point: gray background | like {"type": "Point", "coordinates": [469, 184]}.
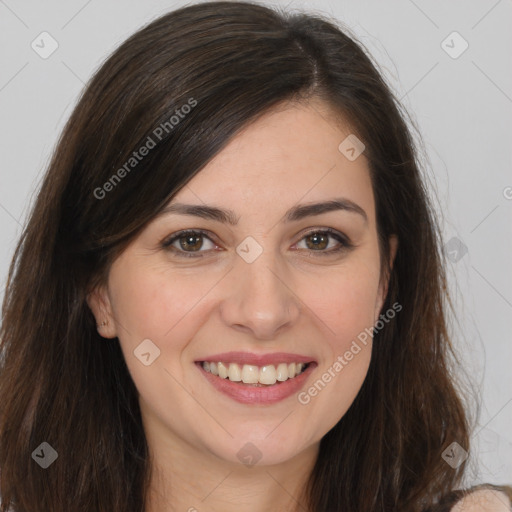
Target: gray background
{"type": "Point", "coordinates": [462, 106]}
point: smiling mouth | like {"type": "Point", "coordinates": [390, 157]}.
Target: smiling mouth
{"type": "Point", "coordinates": [257, 376]}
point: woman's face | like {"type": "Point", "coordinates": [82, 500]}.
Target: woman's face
{"type": "Point", "coordinates": [260, 287]}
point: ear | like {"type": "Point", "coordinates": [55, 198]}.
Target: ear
{"type": "Point", "coordinates": [98, 301]}
{"type": "Point", "coordinates": [384, 285]}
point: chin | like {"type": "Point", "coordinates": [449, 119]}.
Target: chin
{"type": "Point", "coordinates": [260, 449]}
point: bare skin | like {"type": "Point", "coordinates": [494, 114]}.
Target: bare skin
{"type": "Point", "coordinates": [297, 296]}
{"type": "Point", "coordinates": [484, 500]}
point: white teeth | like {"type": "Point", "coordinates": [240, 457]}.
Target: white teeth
{"type": "Point", "coordinates": [251, 374]}
{"type": "Point", "coordinates": [268, 374]}
{"type": "Point", "coordinates": [223, 370]}
{"type": "Point", "coordinates": [234, 372]}
{"type": "Point", "coordinates": [282, 372]}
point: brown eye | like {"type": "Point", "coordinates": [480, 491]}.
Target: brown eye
{"type": "Point", "coordinates": [319, 241]}
{"type": "Point", "coordinates": [193, 242]}
{"type": "Point", "coordinates": [185, 243]}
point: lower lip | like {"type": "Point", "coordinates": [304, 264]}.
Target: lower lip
{"type": "Point", "coordinates": [247, 394]}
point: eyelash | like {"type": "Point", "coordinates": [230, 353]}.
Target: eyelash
{"type": "Point", "coordinates": [344, 241]}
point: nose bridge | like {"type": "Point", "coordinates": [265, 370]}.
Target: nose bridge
{"type": "Point", "coordinates": [259, 299]}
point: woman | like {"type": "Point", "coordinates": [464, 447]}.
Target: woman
{"type": "Point", "coordinates": [229, 294]}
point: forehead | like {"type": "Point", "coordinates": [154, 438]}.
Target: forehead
{"type": "Point", "coordinates": [291, 154]}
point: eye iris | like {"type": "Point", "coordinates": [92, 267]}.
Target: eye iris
{"type": "Point", "coordinates": [318, 236]}
{"type": "Point", "coordinates": [189, 239]}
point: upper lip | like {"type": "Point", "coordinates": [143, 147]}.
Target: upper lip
{"type": "Point", "coordinates": [242, 358]}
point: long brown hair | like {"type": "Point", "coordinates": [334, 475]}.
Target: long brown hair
{"type": "Point", "coordinates": [62, 384]}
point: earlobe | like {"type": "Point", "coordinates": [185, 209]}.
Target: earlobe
{"type": "Point", "coordinates": [99, 303]}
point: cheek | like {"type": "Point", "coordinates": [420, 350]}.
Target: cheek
{"type": "Point", "coordinates": [150, 303]}
{"type": "Point", "coordinates": [344, 300]}
{"type": "Point", "coordinates": [345, 306]}
{"type": "Point", "coordinates": [153, 303]}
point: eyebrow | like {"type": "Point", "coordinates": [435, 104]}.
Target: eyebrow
{"type": "Point", "coordinates": [294, 214]}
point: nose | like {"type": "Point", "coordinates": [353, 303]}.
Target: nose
{"type": "Point", "coordinates": [259, 298]}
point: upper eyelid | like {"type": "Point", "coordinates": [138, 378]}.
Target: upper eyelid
{"type": "Point", "coordinates": [182, 232]}
{"type": "Point", "coordinates": [169, 240]}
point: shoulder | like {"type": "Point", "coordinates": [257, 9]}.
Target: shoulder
{"type": "Point", "coordinates": [483, 500]}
